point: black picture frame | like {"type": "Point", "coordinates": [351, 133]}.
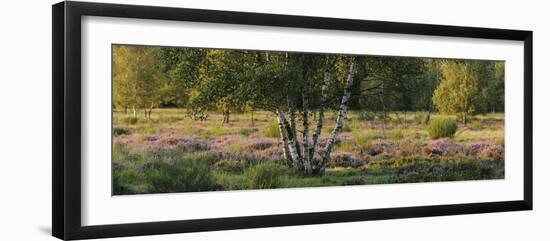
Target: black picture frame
{"type": "Point", "coordinates": [66, 127]}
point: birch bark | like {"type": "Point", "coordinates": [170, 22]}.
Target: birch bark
{"type": "Point", "coordinates": [284, 137]}
{"type": "Point", "coordinates": [340, 119]}
{"type": "Point", "coordinates": [290, 131]}
{"type": "Point", "coordinates": [319, 127]}
{"type": "Point", "coordinates": [308, 149]}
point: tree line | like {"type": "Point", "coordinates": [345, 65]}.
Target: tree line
{"type": "Point", "coordinates": [298, 88]}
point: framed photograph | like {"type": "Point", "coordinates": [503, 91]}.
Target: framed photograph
{"type": "Point", "coordinates": [171, 120]}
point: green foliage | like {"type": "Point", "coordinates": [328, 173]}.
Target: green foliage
{"type": "Point", "coordinates": [245, 131]}
{"type": "Point", "coordinates": [396, 135]}
{"type": "Point", "coordinates": [442, 127]}
{"type": "Point", "coordinates": [175, 173]}
{"type": "Point", "coordinates": [272, 130]}
{"type": "Point", "coordinates": [216, 131]}
{"type": "Point", "coordinates": [130, 120]}
{"type": "Point", "coordinates": [347, 127]}
{"type": "Point", "coordinates": [232, 166]}
{"type": "Point", "coordinates": [468, 88]}
{"type": "Point", "coordinates": [366, 116]}
{"type": "Point", "coordinates": [137, 75]}
{"type": "Point", "coordinates": [186, 175]}
{"type": "Point", "coordinates": [117, 131]}
{"type": "Point", "coordinates": [264, 175]}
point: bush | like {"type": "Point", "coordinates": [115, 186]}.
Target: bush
{"type": "Point", "coordinates": [366, 116]}
{"type": "Point", "coordinates": [442, 128]}
{"type": "Point", "coordinates": [347, 127]}
{"type": "Point", "coordinates": [181, 175]}
{"type": "Point", "coordinates": [117, 131]}
{"type": "Point", "coordinates": [272, 129]}
{"type": "Point", "coordinates": [231, 166]}
{"type": "Point", "coordinates": [396, 135]}
{"type": "Point", "coordinates": [246, 131]}
{"type": "Point", "coordinates": [264, 176]}
{"type": "Point", "coordinates": [419, 118]}
{"type": "Point", "coordinates": [130, 120]}
{"type": "Point", "coordinates": [216, 131]}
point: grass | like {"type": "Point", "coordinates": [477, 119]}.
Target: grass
{"type": "Point", "coordinates": [272, 129]}
{"type": "Point", "coordinates": [172, 153]}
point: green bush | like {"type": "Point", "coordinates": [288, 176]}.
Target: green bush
{"type": "Point", "coordinates": [396, 135]}
{"type": "Point", "coordinates": [117, 131]}
{"type": "Point", "coordinates": [246, 131]}
{"type": "Point", "coordinates": [441, 127]}
{"type": "Point", "coordinates": [347, 127]}
{"type": "Point", "coordinates": [163, 173]}
{"type": "Point", "coordinates": [181, 175]}
{"type": "Point", "coordinates": [272, 129]}
{"type": "Point", "coordinates": [419, 118]}
{"type": "Point", "coordinates": [264, 176]}
{"type": "Point", "coordinates": [366, 116]}
{"type": "Point", "coordinates": [231, 166]}
{"type": "Point", "coordinates": [130, 120]}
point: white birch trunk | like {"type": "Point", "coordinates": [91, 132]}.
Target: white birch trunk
{"type": "Point", "coordinates": [284, 137]}
{"type": "Point", "coordinates": [319, 128]}
{"type": "Point", "coordinates": [341, 117]}
{"type": "Point", "coordinates": [308, 149]}
{"type": "Point", "coordinates": [291, 144]}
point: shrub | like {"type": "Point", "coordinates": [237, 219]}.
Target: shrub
{"type": "Point", "coordinates": [272, 129]}
{"type": "Point", "coordinates": [396, 135]}
{"type": "Point", "coordinates": [366, 116]}
{"type": "Point", "coordinates": [419, 118]}
{"type": "Point", "coordinates": [363, 138]}
{"type": "Point", "coordinates": [246, 131]}
{"type": "Point", "coordinates": [182, 175]}
{"type": "Point", "coordinates": [130, 120]}
{"type": "Point", "coordinates": [347, 127]}
{"type": "Point", "coordinates": [442, 128]}
{"type": "Point", "coordinates": [216, 131]}
{"type": "Point", "coordinates": [117, 131]}
{"type": "Point", "coordinates": [264, 176]}
{"type": "Point", "coordinates": [231, 166]}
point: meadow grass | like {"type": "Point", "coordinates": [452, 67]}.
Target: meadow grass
{"type": "Point", "coordinates": [172, 153]}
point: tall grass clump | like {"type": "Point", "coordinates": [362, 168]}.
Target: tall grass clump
{"type": "Point", "coordinates": [396, 135]}
{"type": "Point", "coordinates": [181, 175]}
{"type": "Point", "coordinates": [264, 175]}
{"type": "Point", "coordinates": [272, 129]}
{"type": "Point", "coordinates": [442, 127]}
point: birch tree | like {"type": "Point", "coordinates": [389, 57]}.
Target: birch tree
{"type": "Point", "coordinates": [137, 75]}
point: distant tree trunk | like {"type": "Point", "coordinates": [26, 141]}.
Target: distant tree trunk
{"type": "Point", "coordinates": [428, 116]}
{"type": "Point", "coordinates": [150, 111]}
{"type": "Point", "coordinates": [225, 114]}
{"type": "Point", "coordinates": [340, 119]}
{"type": "Point", "coordinates": [134, 115]}
{"type": "Point", "coordinates": [252, 118]}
